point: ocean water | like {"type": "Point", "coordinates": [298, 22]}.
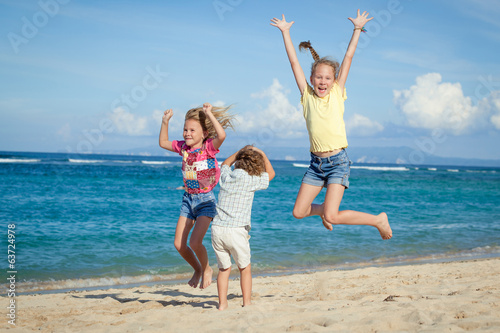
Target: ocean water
{"type": "Point", "coordinates": [99, 220]}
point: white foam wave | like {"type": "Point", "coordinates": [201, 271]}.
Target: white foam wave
{"type": "Point", "coordinates": [452, 170]}
{"type": "Point", "coordinates": [432, 169]}
{"type": "Point", "coordinates": [152, 277]}
{"type": "Point", "coordinates": [300, 165]}
{"type": "Point", "coordinates": [72, 160]}
{"type": "Point", "coordinates": [481, 171]}
{"type": "Point", "coordinates": [155, 162]}
{"type": "Point", "coordinates": [380, 168]}
{"type": "Point", "coordinates": [19, 160]}
{"type": "Point", "coordinates": [91, 283]}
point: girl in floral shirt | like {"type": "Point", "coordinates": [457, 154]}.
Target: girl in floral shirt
{"type": "Point", "coordinates": [203, 135]}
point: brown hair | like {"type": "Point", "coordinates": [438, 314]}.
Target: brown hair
{"type": "Point", "coordinates": [318, 61]}
{"type": "Point", "coordinates": [220, 113]}
{"type": "Point", "coordinates": [250, 160]}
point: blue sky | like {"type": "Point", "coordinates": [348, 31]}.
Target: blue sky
{"type": "Point", "coordinates": [95, 76]}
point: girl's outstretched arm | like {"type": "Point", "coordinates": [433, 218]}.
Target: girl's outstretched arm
{"type": "Point", "coordinates": [284, 27]}
{"type": "Point", "coordinates": [164, 141]}
{"type": "Point", "coordinates": [358, 22]}
{"type": "Point", "coordinates": [221, 133]}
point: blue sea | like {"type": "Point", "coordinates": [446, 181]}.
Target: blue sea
{"type": "Point", "coordinates": [90, 221]}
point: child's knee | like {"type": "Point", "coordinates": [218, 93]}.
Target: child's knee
{"type": "Point", "coordinates": [180, 246]}
{"type": "Point", "coordinates": [331, 218]}
{"type": "Point", "coordinates": [196, 244]}
{"type": "Point", "coordinates": [298, 214]}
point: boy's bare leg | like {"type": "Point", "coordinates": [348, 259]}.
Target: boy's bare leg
{"type": "Point", "coordinates": [182, 230]}
{"type": "Point", "coordinates": [196, 243]}
{"type": "Point", "coordinates": [222, 286]}
{"type": "Point", "coordinates": [246, 284]}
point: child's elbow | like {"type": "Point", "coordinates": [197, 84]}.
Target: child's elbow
{"type": "Point", "coordinates": [165, 145]}
{"type": "Point", "coordinates": [221, 137]}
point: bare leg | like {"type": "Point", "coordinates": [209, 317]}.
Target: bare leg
{"type": "Point", "coordinates": [246, 284]}
{"type": "Point", "coordinates": [304, 206]}
{"type": "Point", "coordinates": [329, 210]}
{"type": "Point", "coordinates": [334, 194]}
{"type": "Point", "coordinates": [222, 286]}
{"type": "Point", "coordinates": [196, 243]}
{"type": "Point", "coordinates": [182, 230]}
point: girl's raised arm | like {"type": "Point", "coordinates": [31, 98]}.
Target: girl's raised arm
{"type": "Point", "coordinates": [221, 133]}
{"type": "Point", "coordinates": [358, 22]}
{"type": "Point", "coordinates": [164, 141]}
{"type": "Point", "coordinates": [284, 27]}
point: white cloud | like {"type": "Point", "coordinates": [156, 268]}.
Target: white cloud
{"type": "Point", "coordinates": [492, 105]}
{"type": "Point", "coordinates": [279, 117]}
{"type": "Point", "coordinates": [359, 125]}
{"type": "Point", "coordinates": [432, 104]}
{"type": "Point", "coordinates": [219, 103]}
{"type": "Point", "coordinates": [135, 125]}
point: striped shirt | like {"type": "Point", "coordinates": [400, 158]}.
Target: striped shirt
{"type": "Point", "coordinates": [237, 187]}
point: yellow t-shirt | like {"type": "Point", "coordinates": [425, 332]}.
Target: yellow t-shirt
{"type": "Point", "coordinates": [325, 119]}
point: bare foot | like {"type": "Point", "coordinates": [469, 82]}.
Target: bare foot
{"type": "Point", "coordinates": [194, 280]}
{"type": "Point", "coordinates": [206, 280]}
{"type": "Point", "coordinates": [327, 225]}
{"type": "Point", "coordinates": [222, 306]}
{"type": "Point", "coordinates": [383, 226]}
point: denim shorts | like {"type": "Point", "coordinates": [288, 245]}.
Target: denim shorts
{"type": "Point", "coordinates": [195, 205]}
{"type": "Point", "coordinates": [323, 171]}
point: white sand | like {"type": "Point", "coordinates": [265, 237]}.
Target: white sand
{"type": "Point", "coordinates": [452, 297]}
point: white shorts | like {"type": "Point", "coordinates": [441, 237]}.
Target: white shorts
{"type": "Point", "coordinates": [229, 242]}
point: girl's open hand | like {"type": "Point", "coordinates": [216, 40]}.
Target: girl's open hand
{"type": "Point", "coordinates": [207, 107]}
{"type": "Point", "coordinates": [361, 20]}
{"type": "Point", "coordinates": [167, 115]}
{"type": "Point", "coordinates": [281, 24]}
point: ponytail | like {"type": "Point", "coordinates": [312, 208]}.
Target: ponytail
{"type": "Point", "coordinates": [307, 45]}
{"type": "Point", "coordinates": [318, 61]}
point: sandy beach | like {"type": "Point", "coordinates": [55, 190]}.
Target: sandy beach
{"type": "Point", "coordinates": [437, 297]}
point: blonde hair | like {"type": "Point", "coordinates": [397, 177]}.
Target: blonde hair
{"type": "Point", "coordinates": [250, 160]}
{"type": "Point", "coordinates": [318, 61]}
{"type": "Point", "coordinates": [220, 113]}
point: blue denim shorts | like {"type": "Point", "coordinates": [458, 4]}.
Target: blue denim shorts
{"type": "Point", "coordinates": [195, 205]}
{"type": "Point", "coordinates": [323, 171]}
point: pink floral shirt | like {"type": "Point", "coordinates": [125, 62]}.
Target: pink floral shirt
{"type": "Point", "coordinates": [200, 169]}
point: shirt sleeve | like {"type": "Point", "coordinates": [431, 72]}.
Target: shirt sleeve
{"type": "Point", "coordinates": [177, 146]}
{"type": "Point", "coordinates": [306, 94]}
{"type": "Point", "coordinates": [341, 94]}
{"type": "Point", "coordinates": [209, 145]}
{"type": "Point", "coordinates": [225, 172]}
{"type": "Point", "coordinates": [260, 182]}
